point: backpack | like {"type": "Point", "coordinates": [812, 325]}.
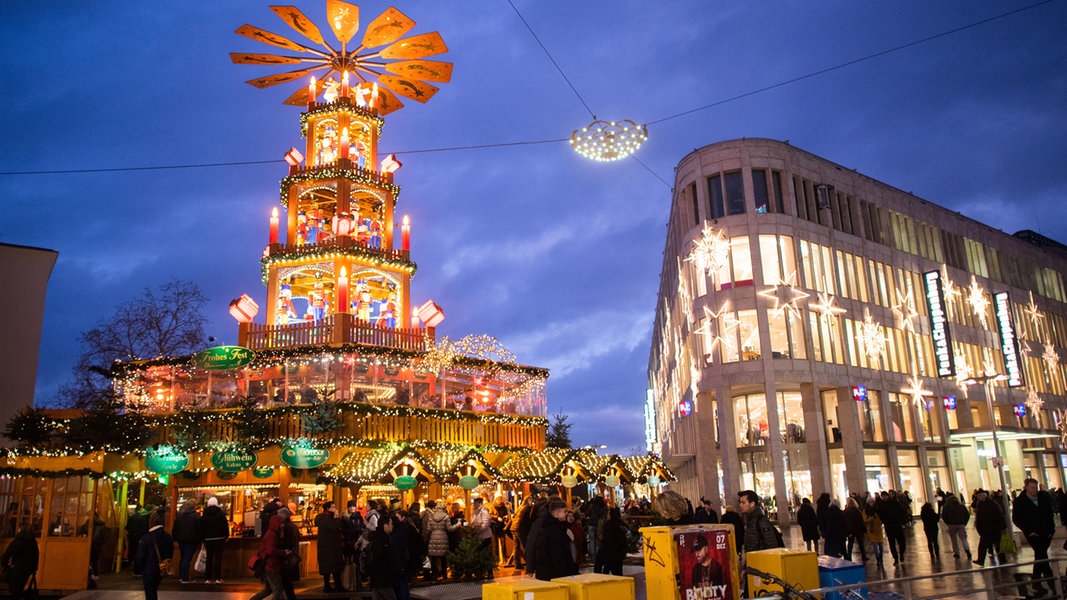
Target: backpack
{"type": "Point", "coordinates": [764, 525]}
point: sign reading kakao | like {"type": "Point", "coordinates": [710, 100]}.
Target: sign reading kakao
{"type": "Point", "coordinates": [302, 455]}
{"type": "Point", "coordinates": [165, 460]}
{"type": "Point", "coordinates": [939, 330]}
{"type": "Point", "coordinates": [223, 358]}
{"type": "Point", "coordinates": [233, 461]}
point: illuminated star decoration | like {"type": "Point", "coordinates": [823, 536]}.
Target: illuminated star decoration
{"type": "Point", "coordinates": [905, 312]}
{"type": "Point", "coordinates": [1061, 424]}
{"type": "Point", "coordinates": [915, 391]}
{"type": "Point", "coordinates": [950, 290]}
{"type": "Point", "coordinates": [785, 296]}
{"type": "Point", "coordinates": [870, 337]}
{"type": "Point", "coordinates": [711, 252]}
{"type": "Point", "coordinates": [979, 303]}
{"type": "Point", "coordinates": [827, 311]}
{"type": "Point", "coordinates": [963, 373]}
{"type": "Point", "coordinates": [1033, 401]}
{"type": "Point", "coordinates": [728, 326]}
{"type": "Point", "coordinates": [1051, 357]}
{"type": "Point", "coordinates": [1034, 313]}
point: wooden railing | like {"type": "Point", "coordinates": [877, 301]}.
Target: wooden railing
{"type": "Point", "coordinates": [335, 329]}
{"type": "Point", "coordinates": [340, 242]}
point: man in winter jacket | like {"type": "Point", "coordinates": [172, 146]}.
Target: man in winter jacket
{"type": "Point", "coordinates": [187, 534]}
{"type": "Point", "coordinates": [955, 515]}
{"type": "Point", "coordinates": [759, 533]}
{"type": "Point", "coordinates": [216, 530]}
{"type": "Point", "coordinates": [989, 521]}
{"type": "Point", "coordinates": [1033, 513]}
{"type": "Point", "coordinates": [154, 547]}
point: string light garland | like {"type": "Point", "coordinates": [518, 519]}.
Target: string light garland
{"type": "Point", "coordinates": [608, 141]}
{"type": "Point", "coordinates": [355, 174]}
{"type": "Point", "coordinates": [340, 107]}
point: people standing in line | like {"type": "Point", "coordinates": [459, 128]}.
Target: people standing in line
{"type": "Point", "coordinates": [216, 530]}
{"type": "Point", "coordinates": [759, 533]}
{"type": "Point", "coordinates": [835, 530]}
{"type": "Point", "coordinates": [613, 541]}
{"type": "Point", "coordinates": [931, 528]}
{"type": "Point", "coordinates": [857, 530]}
{"type": "Point", "coordinates": [500, 521]}
{"type": "Point", "coordinates": [520, 528]}
{"type": "Point", "coordinates": [20, 560]}
{"type": "Point", "coordinates": [154, 547]}
{"type": "Point", "coordinates": [1033, 513]}
{"type": "Point", "coordinates": [673, 507]}
{"type": "Point", "coordinates": [809, 524]}
{"type": "Point", "coordinates": [875, 531]}
{"type": "Point", "coordinates": [891, 511]}
{"type": "Point", "coordinates": [956, 516]}
{"type": "Point", "coordinates": [551, 545]}
{"type": "Point", "coordinates": [188, 534]}
{"type": "Point", "coordinates": [989, 521]}
{"type": "Point", "coordinates": [329, 547]}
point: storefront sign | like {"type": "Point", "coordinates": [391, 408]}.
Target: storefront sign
{"type": "Point", "coordinates": [405, 482]}
{"type": "Point", "coordinates": [1008, 346]}
{"type": "Point", "coordinates": [303, 455]}
{"type": "Point", "coordinates": [223, 358]}
{"type": "Point", "coordinates": [650, 421]}
{"type": "Point", "coordinates": [939, 329]}
{"type": "Point", "coordinates": [165, 460]}
{"type": "Point", "coordinates": [950, 402]}
{"type": "Point", "coordinates": [859, 393]}
{"type": "Point", "coordinates": [262, 472]}
{"type": "Point", "coordinates": [233, 461]}
{"type": "Point", "coordinates": [1020, 410]}
{"type": "Point", "coordinates": [685, 408]}
{"type": "Point", "coordinates": [468, 482]}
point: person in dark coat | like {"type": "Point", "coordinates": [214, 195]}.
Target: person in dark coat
{"type": "Point", "coordinates": [1032, 512]}
{"type": "Point", "coordinates": [520, 529]}
{"type": "Point", "coordinates": [732, 517]}
{"type": "Point", "coordinates": [188, 535]}
{"type": "Point", "coordinates": [154, 546]}
{"type": "Point", "coordinates": [614, 540]}
{"type": "Point", "coordinates": [705, 513]}
{"type": "Point", "coordinates": [136, 527]}
{"type": "Point", "coordinates": [821, 504]}
{"type": "Point", "coordinates": [989, 521]}
{"type": "Point", "coordinates": [760, 533]}
{"type": "Point", "coordinates": [856, 528]}
{"type": "Point", "coordinates": [273, 553]}
{"type": "Point", "coordinates": [552, 547]}
{"type": "Point", "coordinates": [930, 520]}
{"type": "Point", "coordinates": [330, 548]}
{"type": "Point", "coordinates": [540, 514]}
{"type": "Point", "coordinates": [96, 546]}
{"type": "Point", "coordinates": [835, 530]}
{"type": "Point", "coordinates": [384, 568]}
{"type": "Point", "coordinates": [955, 515]}
{"type": "Point", "coordinates": [20, 560]}
{"type": "Point", "coordinates": [809, 524]}
{"type": "Point", "coordinates": [893, 516]}
{"type": "Point", "coordinates": [215, 528]}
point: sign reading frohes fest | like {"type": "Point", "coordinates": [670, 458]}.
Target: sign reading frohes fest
{"type": "Point", "coordinates": [302, 455]}
{"type": "Point", "coordinates": [939, 330]}
{"type": "Point", "coordinates": [223, 358]}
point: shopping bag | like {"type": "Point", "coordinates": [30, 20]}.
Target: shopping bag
{"type": "Point", "coordinates": [200, 565]}
{"type": "Point", "coordinates": [348, 576]}
{"type": "Point", "coordinates": [1007, 543]}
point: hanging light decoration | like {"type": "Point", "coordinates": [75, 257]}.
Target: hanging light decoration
{"type": "Point", "coordinates": [605, 141]}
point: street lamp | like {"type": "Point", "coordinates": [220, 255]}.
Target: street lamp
{"type": "Point", "coordinates": [998, 460]}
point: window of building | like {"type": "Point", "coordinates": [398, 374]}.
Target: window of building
{"type": "Point", "coordinates": [787, 335]}
{"type": "Point", "coordinates": [750, 411]}
{"type": "Point", "coordinates": [838, 481]}
{"type": "Point", "coordinates": [777, 205]}
{"type": "Point", "coordinates": [877, 470]}
{"type": "Point", "coordinates": [10, 503]}
{"type": "Point", "coordinates": [748, 329]}
{"type": "Point", "coordinates": [715, 197]}
{"type": "Point", "coordinates": [929, 420]}
{"type": "Point", "coordinates": [31, 506]}
{"type": "Point", "coordinates": [759, 191]}
{"type": "Point", "coordinates": [937, 470]}
{"type": "Point", "coordinates": [902, 413]}
{"type": "Point", "coordinates": [791, 417]}
{"type": "Point", "coordinates": [691, 189]}
{"type": "Point", "coordinates": [797, 477]}
{"type": "Point", "coordinates": [911, 476]}
{"type": "Point", "coordinates": [71, 510]}
{"type": "Point", "coordinates": [833, 420]}
{"type": "Point", "coordinates": [757, 474]}
{"type": "Point", "coordinates": [741, 256]}
{"type": "Point", "coordinates": [826, 339]}
{"type": "Point", "coordinates": [735, 194]}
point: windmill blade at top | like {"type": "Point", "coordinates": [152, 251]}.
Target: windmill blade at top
{"type": "Point", "coordinates": [296, 19]}
{"type": "Point", "coordinates": [343, 18]}
{"type": "Point", "coordinates": [261, 35]}
{"type": "Point", "coordinates": [270, 80]}
{"type": "Point", "coordinates": [409, 88]}
{"type": "Point", "coordinates": [425, 70]}
{"type": "Point", "coordinates": [419, 46]}
{"type": "Point", "coordinates": [244, 58]}
{"type": "Point", "coordinates": [387, 28]}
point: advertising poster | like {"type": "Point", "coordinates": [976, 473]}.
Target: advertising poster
{"type": "Point", "coordinates": [706, 565]}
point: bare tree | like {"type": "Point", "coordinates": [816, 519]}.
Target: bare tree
{"type": "Point", "coordinates": [169, 322]}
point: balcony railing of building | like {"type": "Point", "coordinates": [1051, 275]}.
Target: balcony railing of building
{"type": "Point", "coordinates": [369, 246]}
{"type": "Point", "coordinates": [335, 329]}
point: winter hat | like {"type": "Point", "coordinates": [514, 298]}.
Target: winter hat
{"type": "Point", "coordinates": [212, 501]}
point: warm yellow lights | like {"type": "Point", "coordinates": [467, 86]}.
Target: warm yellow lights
{"type": "Point", "coordinates": [604, 141]}
{"type": "Point", "coordinates": [870, 337]}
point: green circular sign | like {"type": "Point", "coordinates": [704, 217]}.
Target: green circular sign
{"type": "Point", "coordinates": [468, 482]}
{"type": "Point", "coordinates": [233, 461]}
{"type": "Point", "coordinates": [405, 482]}
{"type": "Point", "coordinates": [165, 460]}
{"type": "Point", "coordinates": [262, 472]}
{"type": "Point", "coordinates": [302, 455]}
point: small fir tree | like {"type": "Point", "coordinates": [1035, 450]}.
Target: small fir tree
{"type": "Point", "coordinates": [470, 560]}
{"type": "Point", "coordinates": [559, 432]}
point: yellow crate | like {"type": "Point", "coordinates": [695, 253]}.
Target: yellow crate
{"type": "Point", "coordinates": [598, 586]}
{"type": "Point", "coordinates": [798, 568]}
{"type": "Point", "coordinates": [524, 589]}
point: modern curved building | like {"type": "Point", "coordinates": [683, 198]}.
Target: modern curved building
{"type": "Point", "coordinates": [820, 331]}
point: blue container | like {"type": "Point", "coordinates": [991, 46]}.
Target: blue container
{"type": "Point", "coordinates": [835, 571]}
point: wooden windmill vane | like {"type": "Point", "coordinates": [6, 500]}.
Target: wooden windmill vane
{"type": "Point", "coordinates": [384, 60]}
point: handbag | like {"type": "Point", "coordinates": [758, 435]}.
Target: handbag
{"type": "Point", "coordinates": [200, 566]}
{"type": "Point", "coordinates": [164, 563]}
{"type": "Point", "coordinates": [292, 561]}
{"type": "Point", "coordinates": [1007, 543]}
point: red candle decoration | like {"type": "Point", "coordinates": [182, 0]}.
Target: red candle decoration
{"type": "Point", "coordinates": [342, 291]}
{"type": "Point", "coordinates": [344, 84]}
{"type": "Point", "coordinates": [405, 234]}
{"type": "Point", "coordinates": [274, 225]}
{"type": "Point", "coordinates": [344, 143]}
{"type": "Point", "coordinates": [311, 91]}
